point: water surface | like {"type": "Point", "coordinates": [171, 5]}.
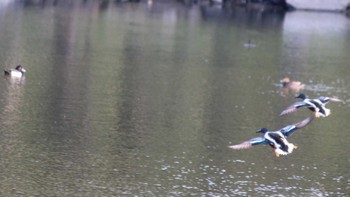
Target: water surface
{"type": "Point", "coordinates": [143, 100]}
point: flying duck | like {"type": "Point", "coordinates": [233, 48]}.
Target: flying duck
{"type": "Point", "coordinates": [318, 105]}
{"type": "Point", "coordinates": [276, 139]}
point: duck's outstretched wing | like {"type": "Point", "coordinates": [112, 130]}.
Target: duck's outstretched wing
{"type": "Point", "coordinates": [293, 108]}
{"type": "Point", "coordinates": [249, 143]}
{"type": "Point", "coordinates": [290, 129]}
{"type": "Point", "coordinates": [325, 99]}
{"type": "Point", "coordinates": [336, 100]}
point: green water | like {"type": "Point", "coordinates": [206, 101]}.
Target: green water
{"type": "Point", "coordinates": [143, 100]}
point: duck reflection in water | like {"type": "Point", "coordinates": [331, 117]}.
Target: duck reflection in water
{"type": "Point", "coordinates": [14, 99]}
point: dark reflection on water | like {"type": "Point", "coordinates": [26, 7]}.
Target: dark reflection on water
{"type": "Point", "coordinates": [143, 99]}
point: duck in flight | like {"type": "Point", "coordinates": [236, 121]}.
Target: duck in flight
{"type": "Point", "coordinates": [276, 139]}
{"type": "Point", "coordinates": [318, 105]}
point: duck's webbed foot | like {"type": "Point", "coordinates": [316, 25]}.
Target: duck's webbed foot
{"type": "Point", "coordinates": [277, 154]}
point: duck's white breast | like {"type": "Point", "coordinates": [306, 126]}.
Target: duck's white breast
{"type": "Point", "coordinates": [15, 73]}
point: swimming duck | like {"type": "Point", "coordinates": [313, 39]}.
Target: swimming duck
{"type": "Point", "coordinates": [318, 105]}
{"type": "Point", "coordinates": [276, 139]}
{"type": "Point", "coordinates": [294, 86]}
{"type": "Point", "coordinates": [17, 72]}
{"type": "Point", "coordinates": [249, 44]}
